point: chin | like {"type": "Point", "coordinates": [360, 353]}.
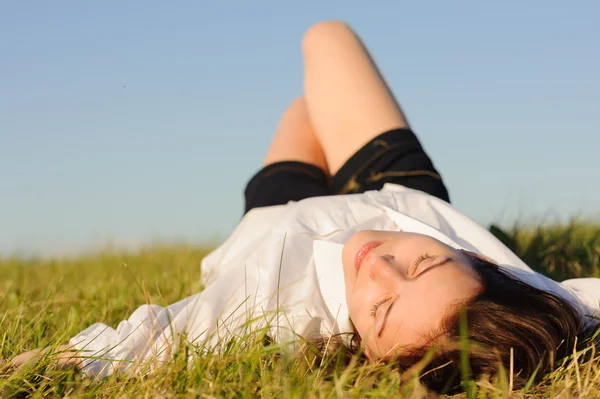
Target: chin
{"type": "Point", "coordinates": [352, 246]}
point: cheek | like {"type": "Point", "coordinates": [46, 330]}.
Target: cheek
{"type": "Point", "coordinates": [359, 308]}
{"type": "Point", "coordinates": [422, 310]}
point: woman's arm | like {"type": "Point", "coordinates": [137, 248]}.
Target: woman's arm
{"type": "Point", "coordinates": [63, 356]}
{"type": "Point", "coordinates": [99, 349]}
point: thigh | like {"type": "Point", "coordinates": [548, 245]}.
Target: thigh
{"type": "Point", "coordinates": [348, 101]}
{"type": "Point", "coordinates": [281, 182]}
{"type": "Point", "coordinates": [294, 139]}
{"type": "Point", "coordinates": [294, 167]}
{"type": "Point", "coordinates": [392, 157]}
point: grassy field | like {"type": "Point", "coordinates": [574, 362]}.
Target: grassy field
{"type": "Point", "coordinates": [45, 301]}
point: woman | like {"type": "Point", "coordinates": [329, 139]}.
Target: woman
{"type": "Point", "coordinates": [349, 230]}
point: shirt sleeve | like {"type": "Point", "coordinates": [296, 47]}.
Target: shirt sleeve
{"type": "Point", "coordinates": [148, 331]}
{"type": "Point", "coordinates": [587, 291]}
{"type": "Point", "coordinates": [149, 337]}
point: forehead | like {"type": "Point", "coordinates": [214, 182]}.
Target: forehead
{"type": "Point", "coordinates": [416, 314]}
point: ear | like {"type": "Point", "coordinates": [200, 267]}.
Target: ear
{"type": "Point", "coordinates": [476, 255]}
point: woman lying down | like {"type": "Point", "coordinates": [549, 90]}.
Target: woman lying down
{"type": "Point", "coordinates": [348, 231]}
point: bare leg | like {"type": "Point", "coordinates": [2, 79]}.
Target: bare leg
{"type": "Point", "coordinates": [347, 99]}
{"type": "Point", "coordinates": [295, 139]}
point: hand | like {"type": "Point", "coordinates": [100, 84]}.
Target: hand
{"type": "Point", "coordinates": [64, 357]}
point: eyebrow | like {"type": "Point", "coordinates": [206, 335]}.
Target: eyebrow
{"type": "Point", "coordinates": [387, 312]}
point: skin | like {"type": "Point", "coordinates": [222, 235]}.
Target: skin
{"type": "Point", "coordinates": [294, 139]}
{"type": "Point", "coordinates": [403, 288]}
{"type": "Point", "coordinates": [62, 356]}
{"type": "Point", "coordinates": [347, 99]}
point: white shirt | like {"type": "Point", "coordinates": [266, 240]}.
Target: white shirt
{"type": "Point", "coordinates": [282, 268]}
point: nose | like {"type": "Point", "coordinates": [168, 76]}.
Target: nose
{"type": "Point", "coordinates": [384, 270]}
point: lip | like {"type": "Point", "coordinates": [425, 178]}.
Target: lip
{"type": "Point", "coordinates": [363, 252]}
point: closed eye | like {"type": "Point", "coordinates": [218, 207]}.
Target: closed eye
{"type": "Point", "coordinates": [444, 260]}
{"type": "Point", "coordinates": [418, 261]}
{"type": "Point", "coordinates": [377, 305]}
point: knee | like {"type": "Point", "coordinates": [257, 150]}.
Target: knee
{"type": "Point", "coordinates": [295, 111]}
{"type": "Point", "coordinates": [298, 104]}
{"type": "Point", "coordinates": [325, 32]}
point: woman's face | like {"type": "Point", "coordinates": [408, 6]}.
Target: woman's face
{"type": "Point", "coordinates": [399, 287]}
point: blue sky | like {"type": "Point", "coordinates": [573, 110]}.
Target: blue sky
{"type": "Point", "coordinates": [135, 122]}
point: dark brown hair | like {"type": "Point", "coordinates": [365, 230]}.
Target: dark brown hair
{"type": "Point", "coordinates": [540, 328]}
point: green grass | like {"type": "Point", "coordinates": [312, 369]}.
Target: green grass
{"type": "Point", "coordinates": [45, 301]}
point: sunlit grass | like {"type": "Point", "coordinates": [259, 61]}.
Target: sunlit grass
{"type": "Point", "coordinates": [46, 301]}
